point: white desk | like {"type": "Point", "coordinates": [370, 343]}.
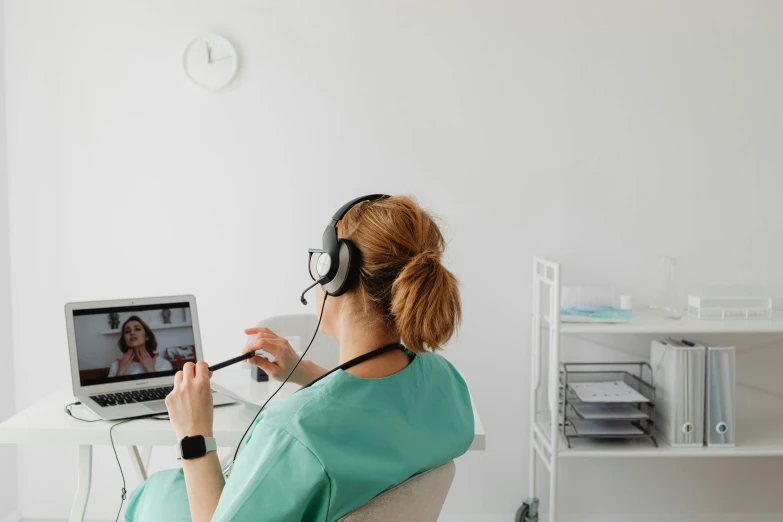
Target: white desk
{"type": "Point", "coordinates": [45, 422]}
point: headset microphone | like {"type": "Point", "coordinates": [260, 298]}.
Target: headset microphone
{"type": "Point", "coordinates": [302, 298]}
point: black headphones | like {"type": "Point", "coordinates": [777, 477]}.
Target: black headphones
{"type": "Point", "coordinates": [336, 265]}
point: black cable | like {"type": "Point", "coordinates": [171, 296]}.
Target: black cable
{"type": "Point", "coordinates": [113, 447]}
{"type": "Point", "coordinates": [323, 306]}
{"type": "Point", "coordinates": [77, 403]}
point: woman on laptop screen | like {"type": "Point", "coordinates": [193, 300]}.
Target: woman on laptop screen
{"type": "Point", "coordinates": [139, 347]}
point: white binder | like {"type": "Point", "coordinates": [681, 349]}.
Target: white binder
{"type": "Point", "coordinates": [721, 400]}
{"type": "Point", "coordinates": [679, 380]}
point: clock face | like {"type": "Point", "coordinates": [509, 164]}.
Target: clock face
{"type": "Point", "coordinates": [211, 61]}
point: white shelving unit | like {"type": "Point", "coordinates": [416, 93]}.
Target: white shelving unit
{"type": "Point", "coordinates": [154, 327]}
{"type": "Point", "coordinates": [756, 438]}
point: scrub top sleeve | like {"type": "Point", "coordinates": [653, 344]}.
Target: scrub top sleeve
{"type": "Point", "coordinates": [275, 478]}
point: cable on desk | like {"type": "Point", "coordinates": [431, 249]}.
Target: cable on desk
{"type": "Point", "coordinates": [77, 403]}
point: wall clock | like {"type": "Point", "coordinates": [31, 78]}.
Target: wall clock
{"type": "Point", "coordinates": [211, 61]}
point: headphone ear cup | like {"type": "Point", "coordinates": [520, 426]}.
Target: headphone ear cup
{"type": "Point", "coordinates": [347, 271]}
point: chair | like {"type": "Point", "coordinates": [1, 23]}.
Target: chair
{"type": "Point", "coordinates": [418, 499]}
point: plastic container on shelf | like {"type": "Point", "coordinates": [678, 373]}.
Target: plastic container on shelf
{"type": "Point", "coordinates": [667, 296]}
{"type": "Point", "coordinates": [590, 304]}
{"type": "Point", "coordinates": [732, 305]}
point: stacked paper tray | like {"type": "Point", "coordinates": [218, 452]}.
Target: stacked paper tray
{"type": "Point", "coordinates": [603, 411]}
{"type": "Point", "coordinates": [606, 400]}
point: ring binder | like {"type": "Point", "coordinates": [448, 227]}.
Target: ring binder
{"type": "Point", "coordinates": [721, 400]}
{"type": "Point", "coordinates": [678, 371]}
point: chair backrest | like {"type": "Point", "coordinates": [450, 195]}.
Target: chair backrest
{"type": "Point", "coordinates": [298, 329]}
{"type": "Point", "coordinates": [418, 499]}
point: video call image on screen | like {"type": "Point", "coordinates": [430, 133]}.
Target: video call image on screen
{"type": "Point", "coordinates": [133, 342]}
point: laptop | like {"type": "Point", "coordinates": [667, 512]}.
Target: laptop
{"type": "Point", "coordinates": [124, 353]}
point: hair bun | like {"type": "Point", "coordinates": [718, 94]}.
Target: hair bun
{"type": "Point", "coordinates": [425, 302]}
{"type": "Point", "coordinates": [413, 296]}
{"type": "Point", "coordinates": [428, 259]}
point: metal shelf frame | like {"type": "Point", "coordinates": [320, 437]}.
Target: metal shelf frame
{"type": "Point", "coordinates": [547, 446]}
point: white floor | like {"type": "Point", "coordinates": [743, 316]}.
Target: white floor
{"type": "Point", "coordinates": [564, 518]}
{"type": "Point", "coordinates": [679, 518]}
{"type": "Point", "coordinates": [628, 518]}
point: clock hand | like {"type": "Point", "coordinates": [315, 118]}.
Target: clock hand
{"type": "Point", "coordinates": [223, 58]}
{"type": "Point", "coordinates": [209, 52]}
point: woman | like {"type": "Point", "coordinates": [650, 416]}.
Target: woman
{"type": "Point", "coordinates": [138, 344]}
{"type": "Point", "coordinates": [333, 446]}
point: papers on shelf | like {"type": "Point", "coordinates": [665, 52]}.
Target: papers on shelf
{"type": "Point", "coordinates": [604, 411]}
{"type": "Point", "coordinates": [605, 427]}
{"type": "Point", "coordinates": [609, 391]}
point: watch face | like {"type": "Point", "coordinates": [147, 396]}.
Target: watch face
{"type": "Point", "coordinates": [193, 447]}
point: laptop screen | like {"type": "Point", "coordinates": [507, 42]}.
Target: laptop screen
{"type": "Point", "coordinates": [132, 342]}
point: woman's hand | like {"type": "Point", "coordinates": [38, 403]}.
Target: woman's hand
{"type": "Point", "coordinates": [124, 363]}
{"type": "Point", "coordinates": [285, 357]}
{"type": "Point", "coordinates": [146, 360]}
{"type": "Point", "coordinates": [190, 403]}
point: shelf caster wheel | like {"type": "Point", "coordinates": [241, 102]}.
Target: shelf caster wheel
{"type": "Point", "coordinates": [528, 512]}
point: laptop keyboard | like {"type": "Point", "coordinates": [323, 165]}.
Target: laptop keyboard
{"type": "Point", "coordinates": [130, 397]}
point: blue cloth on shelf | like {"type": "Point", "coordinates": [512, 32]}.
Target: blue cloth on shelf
{"type": "Point", "coordinates": [594, 314]}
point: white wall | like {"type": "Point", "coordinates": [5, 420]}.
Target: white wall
{"type": "Point", "coordinates": [602, 133]}
{"type": "Point", "coordinates": [8, 490]}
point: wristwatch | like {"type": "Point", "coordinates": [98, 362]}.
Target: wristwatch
{"type": "Point", "coordinates": [195, 447]}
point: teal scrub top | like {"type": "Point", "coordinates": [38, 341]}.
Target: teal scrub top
{"type": "Point", "coordinates": [330, 448]}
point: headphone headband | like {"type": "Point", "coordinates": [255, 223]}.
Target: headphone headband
{"type": "Point", "coordinates": [348, 206]}
{"type": "Point", "coordinates": [341, 264]}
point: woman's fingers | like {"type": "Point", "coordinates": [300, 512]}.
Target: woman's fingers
{"type": "Point", "coordinates": [178, 379]}
{"type": "Point", "coordinates": [260, 330]}
{"type": "Point", "coordinates": [202, 370]}
{"type": "Point", "coordinates": [268, 367]}
{"type": "Point", "coordinates": [188, 371]}
{"type": "Point", "coordinates": [273, 346]}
